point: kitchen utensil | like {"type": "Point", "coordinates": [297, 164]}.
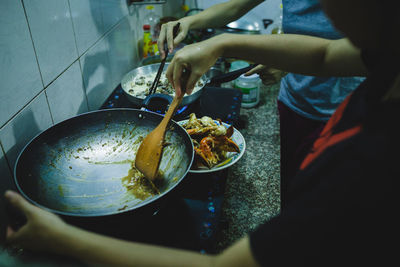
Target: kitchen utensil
{"type": "Point", "coordinates": [149, 154]}
{"type": "Point", "coordinates": [77, 167]}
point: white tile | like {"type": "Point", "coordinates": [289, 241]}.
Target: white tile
{"type": "Point", "coordinates": [88, 23]}
{"type": "Point", "coordinates": [33, 119]}
{"type": "Point", "coordinates": [51, 27]}
{"type": "Point", "coordinates": [112, 12]}
{"type": "Point", "coordinates": [66, 95]}
{"type": "Point", "coordinates": [96, 74]}
{"type": "Point", "coordinates": [19, 75]}
{"type": "Point", "coordinates": [122, 50]}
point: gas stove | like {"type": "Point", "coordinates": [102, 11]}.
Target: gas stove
{"type": "Point", "coordinates": [190, 219]}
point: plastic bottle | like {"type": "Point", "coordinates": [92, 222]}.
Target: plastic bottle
{"type": "Point", "coordinates": [250, 87]}
{"type": "Point", "coordinates": [147, 41]}
{"type": "Point", "coordinates": [152, 19]}
{"type": "Point", "coordinates": [279, 29]}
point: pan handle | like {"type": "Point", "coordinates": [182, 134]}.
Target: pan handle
{"type": "Point", "coordinates": [230, 76]}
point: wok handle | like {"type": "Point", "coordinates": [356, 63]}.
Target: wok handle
{"type": "Point", "coordinates": [230, 76]}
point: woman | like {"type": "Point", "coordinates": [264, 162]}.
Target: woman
{"type": "Point", "coordinates": [344, 195]}
{"type": "Point", "coordinates": [305, 103]}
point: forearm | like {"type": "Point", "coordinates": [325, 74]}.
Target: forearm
{"type": "Point", "coordinates": [221, 14]}
{"type": "Point", "coordinates": [294, 53]}
{"type": "Point", "coordinates": [97, 249]}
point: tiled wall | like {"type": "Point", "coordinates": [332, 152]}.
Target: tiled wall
{"type": "Point", "coordinates": [59, 58]}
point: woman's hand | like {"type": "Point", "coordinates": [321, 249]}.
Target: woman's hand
{"type": "Point", "coordinates": [166, 34]}
{"type": "Point", "coordinates": [197, 59]}
{"type": "Point", "coordinates": [267, 75]}
{"type": "Point", "coordinates": [42, 229]}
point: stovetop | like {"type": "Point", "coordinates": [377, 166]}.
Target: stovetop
{"type": "Point", "coordinates": [190, 218]}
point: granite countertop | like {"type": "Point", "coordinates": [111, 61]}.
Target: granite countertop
{"type": "Point", "coordinates": [252, 193]}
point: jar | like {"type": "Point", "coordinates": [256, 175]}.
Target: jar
{"type": "Point", "coordinates": [250, 87]}
{"type": "Point", "coordinates": [235, 65]}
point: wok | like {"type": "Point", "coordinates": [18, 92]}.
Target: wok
{"type": "Point", "coordinates": [76, 167]}
{"type": "Point", "coordinates": [207, 80]}
{"type": "Point", "coordinates": [146, 71]}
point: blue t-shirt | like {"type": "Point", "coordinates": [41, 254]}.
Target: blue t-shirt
{"type": "Point", "coordinates": [312, 97]}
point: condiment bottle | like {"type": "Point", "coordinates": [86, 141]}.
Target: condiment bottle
{"type": "Point", "coordinates": [147, 41]}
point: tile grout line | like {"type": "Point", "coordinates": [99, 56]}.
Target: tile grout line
{"type": "Point", "coordinates": [8, 162]}
{"type": "Point", "coordinates": [33, 44]}
{"type": "Point", "coordinates": [79, 56]}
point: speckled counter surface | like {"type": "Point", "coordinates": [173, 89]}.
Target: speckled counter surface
{"type": "Point", "coordinates": [252, 193]}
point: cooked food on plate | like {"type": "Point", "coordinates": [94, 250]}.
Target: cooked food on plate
{"type": "Point", "coordinates": [212, 141]}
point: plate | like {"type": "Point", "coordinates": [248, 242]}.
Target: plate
{"type": "Point", "coordinates": [232, 157]}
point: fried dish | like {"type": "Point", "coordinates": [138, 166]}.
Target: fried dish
{"type": "Point", "coordinates": [212, 141]}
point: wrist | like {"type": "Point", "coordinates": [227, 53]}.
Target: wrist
{"type": "Point", "coordinates": [188, 21]}
{"type": "Point", "coordinates": [221, 43]}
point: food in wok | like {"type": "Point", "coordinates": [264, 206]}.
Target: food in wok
{"type": "Point", "coordinates": [212, 141]}
{"type": "Point", "coordinates": [139, 86]}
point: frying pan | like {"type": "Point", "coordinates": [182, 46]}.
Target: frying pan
{"type": "Point", "coordinates": [207, 80]}
{"type": "Point", "coordinates": [76, 167]}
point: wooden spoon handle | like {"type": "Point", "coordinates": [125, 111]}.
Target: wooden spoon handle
{"type": "Point", "coordinates": [176, 101]}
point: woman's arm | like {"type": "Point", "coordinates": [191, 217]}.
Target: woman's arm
{"type": "Point", "coordinates": [295, 53]}
{"type": "Point", "coordinates": [287, 52]}
{"type": "Point", "coordinates": [94, 248]}
{"type": "Point", "coordinates": [221, 14]}
{"type": "Point", "coordinates": [45, 231]}
{"type": "Point", "coordinates": [216, 16]}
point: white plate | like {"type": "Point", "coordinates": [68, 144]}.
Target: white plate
{"type": "Point", "coordinates": [232, 157]}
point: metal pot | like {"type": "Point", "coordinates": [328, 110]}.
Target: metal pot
{"type": "Point", "coordinates": [208, 79]}
{"type": "Point", "coordinates": [76, 168]}
{"type": "Point", "coordinates": [246, 26]}
{"type": "Point", "coordinates": [146, 71]}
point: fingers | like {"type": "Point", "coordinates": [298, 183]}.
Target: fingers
{"type": "Point", "coordinates": [179, 38]}
{"type": "Point", "coordinates": [170, 38]}
{"type": "Point", "coordinates": [9, 232]}
{"type": "Point", "coordinates": [177, 73]}
{"type": "Point", "coordinates": [19, 202]}
{"type": "Point", "coordinates": [14, 237]}
{"type": "Point", "coordinates": [193, 78]}
{"type": "Point", "coordinates": [161, 40]}
{"type": "Point", "coordinates": [167, 35]}
{"type": "Point", "coordinates": [256, 69]}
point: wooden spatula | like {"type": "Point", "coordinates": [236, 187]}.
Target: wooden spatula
{"type": "Point", "coordinates": [148, 156]}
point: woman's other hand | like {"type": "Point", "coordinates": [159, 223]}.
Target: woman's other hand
{"type": "Point", "coordinates": [41, 230]}
{"type": "Point", "coordinates": [166, 35]}
{"type": "Point", "coordinates": [197, 59]}
{"type": "Point", "coordinates": [268, 76]}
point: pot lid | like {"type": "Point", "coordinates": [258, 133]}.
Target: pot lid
{"type": "Point", "coordinates": [245, 24]}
